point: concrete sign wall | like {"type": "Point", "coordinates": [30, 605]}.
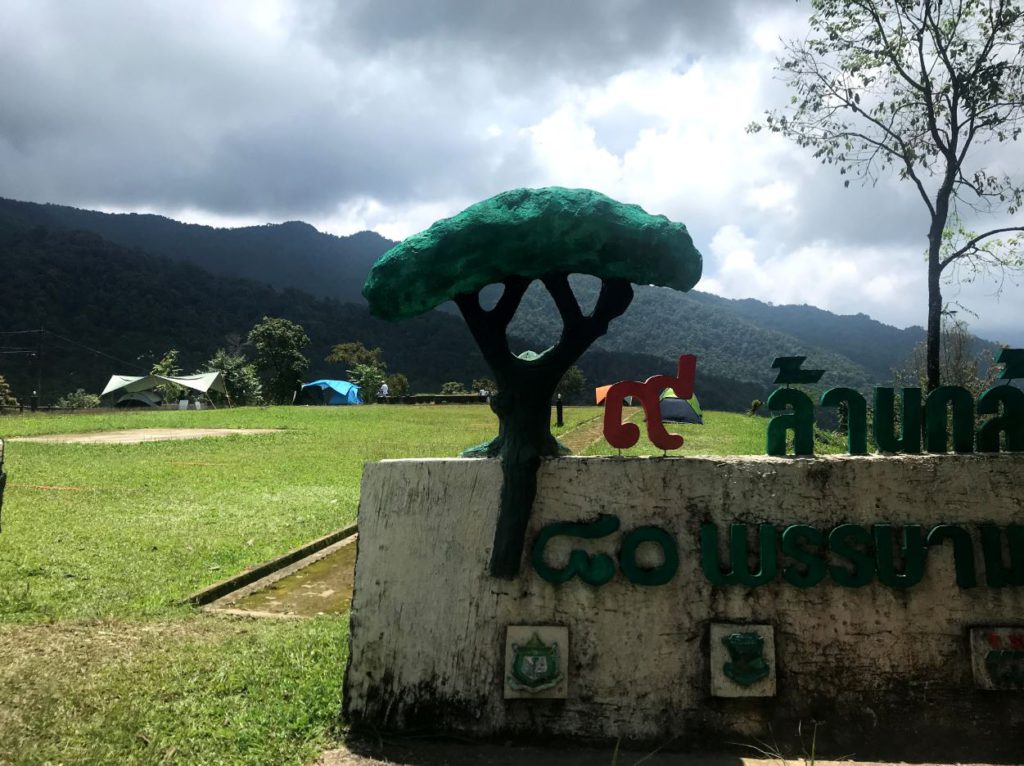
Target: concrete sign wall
{"type": "Point", "coordinates": [862, 580]}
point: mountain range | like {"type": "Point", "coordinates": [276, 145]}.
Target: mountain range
{"type": "Point", "coordinates": [131, 286]}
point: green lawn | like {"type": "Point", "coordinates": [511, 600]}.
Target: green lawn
{"type": "Point", "coordinates": [101, 542]}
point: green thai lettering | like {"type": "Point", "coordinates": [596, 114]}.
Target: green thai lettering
{"type": "Point", "coordinates": [963, 552]}
{"type": "Point", "coordinates": [856, 417]}
{"type": "Point", "coordinates": [657, 575]}
{"type": "Point", "coordinates": [810, 568]}
{"type": "Point", "coordinates": [740, 573]}
{"type": "Point", "coordinates": [593, 570]}
{"type": "Point", "coordinates": [997, 573]}
{"type": "Point", "coordinates": [912, 553]}
{"type": "Point", "coordinates": [854, 543]}
{"type": "Point", "coordinates": [936, 421]}
{"type": "Point", "coordinates": [800, 421]}
{"type": "Point", "coordinates": [909, 439]}
{"type": "Point", "coordinates": [1010, 422]}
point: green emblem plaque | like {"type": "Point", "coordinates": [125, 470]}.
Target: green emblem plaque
{"type": "Point", "coordinates": [746, 663]}
{"type": "Point", "coordinates": [535, 662]}
{"type": "Point", "coordinates": [742, 660]}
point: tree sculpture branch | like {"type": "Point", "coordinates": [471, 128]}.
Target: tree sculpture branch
{"type": "Point", "coordinates": [526, 387]}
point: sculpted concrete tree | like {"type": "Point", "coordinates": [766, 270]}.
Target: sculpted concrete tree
{"type": "Point", "coordinates": [513, 239]}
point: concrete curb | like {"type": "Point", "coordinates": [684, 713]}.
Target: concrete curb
{"type": "Point", "coordinates": [258, 572]}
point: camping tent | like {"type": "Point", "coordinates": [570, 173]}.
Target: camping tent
{"type": "Point", "coordinates": [329, 392]}
{"type": "Point", "coordinates": [139, 399]}
{"type": "Point", "coordinates": [676, 410]}
{"type": "Point", "coordinates": [132, 387]}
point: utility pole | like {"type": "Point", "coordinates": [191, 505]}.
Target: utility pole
{"type": "Point", "coordinates": [39, 370]}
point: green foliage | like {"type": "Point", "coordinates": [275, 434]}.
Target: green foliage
{"type": "Point", "coordinates": [453, 387]}
{"type": "Point", "coordinates": [369, 378]}
{"type": "Point", "coordinates": [484, 384]}
{"type": "Point", "coordinates": [961, 362]}
{"type": "Point", "coordinates": [79, 400]}
{"type": "Point", "coordinates": [7, 398]}
{"type": "Point", "coordinates": [398, 384]}
{"type": "Point", "coordinates": [571, 385]}
{"type": "Point", "coordinates": [168, 365]}
{"type": "Point", "coordinates": [350, 354]}
{"type": "Point", "coordinates": [240, 378]}
{"type": "Point", "coordinates": [279, 344]}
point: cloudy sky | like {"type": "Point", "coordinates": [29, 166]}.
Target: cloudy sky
{"type": "Point", "coordinates": [389, 114]}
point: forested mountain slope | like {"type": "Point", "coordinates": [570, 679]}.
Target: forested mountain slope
{"type": "Point", "coordinates": [735, 340]}
{"type": "Point", "coordinates": [291, 254]}
{"type": "Point", "coordinates": [134, 307]}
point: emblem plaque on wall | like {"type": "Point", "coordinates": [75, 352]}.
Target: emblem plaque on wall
{"type": "Point", "coordinates": [742, 660]}
{"type": "Point", "coordinates": [536, 657]}
{"type": "Point", "coordinates": [997, 657]}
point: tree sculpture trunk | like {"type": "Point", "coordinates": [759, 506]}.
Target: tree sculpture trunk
{"type": "Point", "coordinates": [526, 385]}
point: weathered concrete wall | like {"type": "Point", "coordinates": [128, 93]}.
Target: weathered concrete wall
{"type": "Point", "coordinates": [886, 670]}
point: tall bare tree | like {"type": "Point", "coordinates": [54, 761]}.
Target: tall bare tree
{"type": "Point", "coordinates": [915, 87]}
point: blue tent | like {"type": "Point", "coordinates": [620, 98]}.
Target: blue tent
{"type": "Point", "coordinates": [329, 392]}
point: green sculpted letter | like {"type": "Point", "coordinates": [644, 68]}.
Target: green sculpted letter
{"type": "Point", "coordinates": [740, 573]}
{"type": "Point", "coordinates": [963, 419]}
{"type": "Point", "coordinates": [800, 421]}
{"type": "Point", "coordinates": [885, 421]}
{"type": "Point", "coordinates": [813, 570]}
{"type": "Point", "coordinates": [658, 575]}
{"type": "Point", "coordinates": [1011, 422]}
{"type": "Point", "coordinates": [963, 552]}
{"type": "Point", "coordinates": [912, 551]}
{"type": "Point", "coordinates": [853, 542]}
{"type": "Point", "coordinates": [856, 418]}
{"type": "Point", "coordinates": [593, 570]}
{"type": "Point", "coordinates": [997, 574]}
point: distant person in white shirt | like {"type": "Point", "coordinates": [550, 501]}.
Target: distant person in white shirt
{"type": "Point", "coordinates": [383, 393]}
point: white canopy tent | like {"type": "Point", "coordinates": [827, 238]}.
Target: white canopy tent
{"type": "Point", "coordinates": [203, 382]}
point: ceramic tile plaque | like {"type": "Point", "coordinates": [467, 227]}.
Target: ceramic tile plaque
{"type": "Point", "coordinates": [536, 661]}
{"type": "Point", "coordinates": [997, 657]}
{"type": "Point", "coordinates": [742, 660]}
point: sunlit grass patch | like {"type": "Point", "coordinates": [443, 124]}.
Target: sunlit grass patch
{"type": "Point", "coordinates": [198, 690]}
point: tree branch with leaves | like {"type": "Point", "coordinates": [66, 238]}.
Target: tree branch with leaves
{"type": "Point", "coordinates": [915, 87]}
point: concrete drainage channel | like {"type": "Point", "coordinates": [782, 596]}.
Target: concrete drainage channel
{"type": "Point", "coordinates": [313, 579]}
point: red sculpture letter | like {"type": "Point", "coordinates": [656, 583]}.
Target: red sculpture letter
{"type": "Point", "coordinates": [623, 435]}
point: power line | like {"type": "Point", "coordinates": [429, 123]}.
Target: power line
{"type": "Point", "coordinates": [93, 350]}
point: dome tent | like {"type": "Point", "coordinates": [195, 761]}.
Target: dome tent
{"type": "Point", "coordinates": [676, 410]}
{"type": "Point", "coordinates": [331, 392]}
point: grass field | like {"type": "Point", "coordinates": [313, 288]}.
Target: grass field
{"type": "Point", "coordinates": [101, 542]}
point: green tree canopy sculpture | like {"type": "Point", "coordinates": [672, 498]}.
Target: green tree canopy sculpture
{"type": "Point", "coordinates": [515, 238]}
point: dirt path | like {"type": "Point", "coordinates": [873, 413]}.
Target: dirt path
{"type": "Point", "coordinates": [138, 435]}
{"type": "Point", "coordinates": [588, 432]}
{"type": "Point", "coordinates": [425, 753]}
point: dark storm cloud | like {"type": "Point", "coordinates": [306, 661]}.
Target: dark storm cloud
{"type": "Point", "coordinates": [580, 41]}
{"type": "Point", "coordinates": [183, 105]}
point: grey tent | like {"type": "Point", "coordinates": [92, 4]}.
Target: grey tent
{"type": "Point", "coordinates": [676, 410]}
{"type": "Point", "coordinates": [132, 387]}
